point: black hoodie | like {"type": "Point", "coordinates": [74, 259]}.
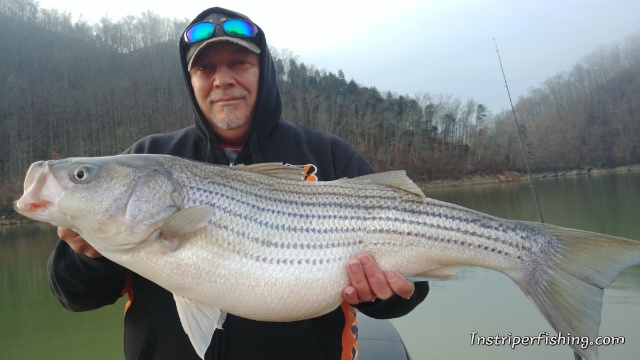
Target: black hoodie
{"type": "Point", "coordinates": [152, 326]}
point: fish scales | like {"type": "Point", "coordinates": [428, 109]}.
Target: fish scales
{"type": "Point", "coordinates": [262, 203]}
{"type": "Point", "coordinates": [286, 209]}
{"type": "Point", "coordinates": [253, 242]}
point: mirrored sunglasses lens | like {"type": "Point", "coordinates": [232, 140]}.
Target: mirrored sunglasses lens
{"type": "Point", "coordinates": [200, 32]}
{"type": "Point", "coordinates": [238, 28]}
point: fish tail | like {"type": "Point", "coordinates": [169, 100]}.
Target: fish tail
{"type": "Point", "coordinates": [570, 296]}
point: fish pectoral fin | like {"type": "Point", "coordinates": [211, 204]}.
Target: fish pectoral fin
{"type": "Point", "coordinates": [199, 321]}
{"type": "Point", "coordinates": [436, 273]}
{"type": "Point", "coordinates": [186, 221]}
{"type": "Point", "coordinates": [395, 179]}
{"type": "Point", "coordinates": [279, 170]}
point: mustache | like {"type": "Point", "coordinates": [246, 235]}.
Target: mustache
{"type": "Point", "coordinates": [218, 94]}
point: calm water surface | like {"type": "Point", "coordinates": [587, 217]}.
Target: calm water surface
{"type": "Point", "coordinates": [32, 323]}
{"type": "Point", "coordinates": [34, 326]}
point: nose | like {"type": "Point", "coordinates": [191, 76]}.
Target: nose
{"type": "Point", "coordinates": [223, 77]}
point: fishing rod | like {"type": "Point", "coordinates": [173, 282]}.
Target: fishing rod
{"type": "Point", "coordinates": [524, 151]}
{"type": "Point", "coordinates": [524, 154]}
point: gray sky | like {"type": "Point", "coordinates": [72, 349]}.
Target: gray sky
{"type": "Point", "coordinates": [409, 47]}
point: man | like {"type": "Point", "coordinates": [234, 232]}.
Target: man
{"type": "Point", "coordinates": [231, 81]}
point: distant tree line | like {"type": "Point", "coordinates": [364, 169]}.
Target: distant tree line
{"type": "Point", "coordinates": [427, 135]}
{"type": "Point", "coordinates": [588, 116]}
{"type": "Point", "coordinates": [77, 89]}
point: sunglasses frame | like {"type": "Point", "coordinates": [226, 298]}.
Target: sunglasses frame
{"type": "Point", "coordinates": [215, 27]}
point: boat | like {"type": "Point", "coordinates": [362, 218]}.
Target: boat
{"type": "Point", "coordinates": [379, 340]}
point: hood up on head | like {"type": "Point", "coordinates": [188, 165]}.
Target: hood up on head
{"type": "Point", "coordinates": [268, 107]}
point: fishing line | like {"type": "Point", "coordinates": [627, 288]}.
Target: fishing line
{"type": "Point", "coordinates": [524, 151]}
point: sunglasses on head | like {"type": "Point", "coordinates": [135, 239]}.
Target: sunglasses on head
{"type": "Point", "coordinates": [232, 27]}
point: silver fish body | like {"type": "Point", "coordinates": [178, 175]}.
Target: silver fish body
{"type": "Point", "coordinates": [256, 243]}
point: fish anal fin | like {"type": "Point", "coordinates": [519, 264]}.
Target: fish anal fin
{"type": "Point", "coordinates": [394, 179]}
{"type": "Point", "coordinates": [437, 273]}
{"type": "Point", "coordinates": [199, 322]}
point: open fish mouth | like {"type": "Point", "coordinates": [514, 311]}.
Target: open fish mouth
{"type": "Point", "coordinates": [41, 191]}
{"type": "Point", "coordinates": [34, 210]}
{"type": "Point", "coordinates": [22, 207]}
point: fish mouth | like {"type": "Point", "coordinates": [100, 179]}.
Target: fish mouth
{"type": "Point", "coordinates": [41, 192]}
{"type": "Point", "coordinates": [35, 210]}
{"type": "Point", "coordinates": [30, 207]}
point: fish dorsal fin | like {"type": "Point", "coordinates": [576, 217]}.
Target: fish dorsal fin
{"type": "Point", "coordinates": [199, 322]}
{"type": "Point", "coordinates": [396, 179]}
{"type": "Point", "coordinates": [185, 222]}
{"type": "Point", "coordinates": [279, 170]}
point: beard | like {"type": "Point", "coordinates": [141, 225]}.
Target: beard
{"type": "Point", "coordinates": [230, 118]}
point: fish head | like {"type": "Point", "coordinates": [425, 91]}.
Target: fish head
{"type": "Point", "coordinates": [113, 202]}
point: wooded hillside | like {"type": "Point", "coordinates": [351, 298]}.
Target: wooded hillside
{"type": "Point", "coordinates": [589, 115]}
{"type": "Point", "coordinates": [77, 89]}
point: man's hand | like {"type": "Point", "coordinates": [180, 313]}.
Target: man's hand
{"type": "Point", "coordinates": [369, 282]}
{"type": "Point", "coordinates": [77, 243]}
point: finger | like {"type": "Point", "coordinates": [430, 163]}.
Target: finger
{"type": "Point", "coordinates": [91, 252]}
{"type": "Point", "coordinates": [359, 281]}
{"type": "Point", "coordinates": [66, 233]}
{"type": "Point", "coordinates": [83, 247]}
{"type": "Point", "coordinates": [399, 284]}
{"type": "Point", "coordinates": [375, 277]}
{"type": "Point", "coordinates": [350, 296]}
{"type": "Point", "coordinates": [77, 243]}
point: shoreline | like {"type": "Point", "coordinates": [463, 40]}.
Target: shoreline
{"type": "Point", "coordinates": [514, 176]}
{"type": "Point", "coordinates": [17, 220]}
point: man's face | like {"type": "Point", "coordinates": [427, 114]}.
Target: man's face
{"type": "Point", "coordinates": [225, 77]}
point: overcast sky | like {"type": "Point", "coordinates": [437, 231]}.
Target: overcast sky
{"type": "Point", "coordinates": [409, 47]}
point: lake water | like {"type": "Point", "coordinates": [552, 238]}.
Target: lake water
{"type": "Point", "coordinates": [34, 326]}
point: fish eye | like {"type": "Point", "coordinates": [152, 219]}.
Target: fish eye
{"type": "Point", "coordinates": [81, 173]}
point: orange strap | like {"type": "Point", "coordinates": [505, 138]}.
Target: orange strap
{"type": "Point", "coordinates": [127, 290]}
{"type": "Point", "coordinates": [349, 333]}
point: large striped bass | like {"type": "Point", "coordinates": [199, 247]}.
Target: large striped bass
{"type": "Point", "coordinates": [258, 242]}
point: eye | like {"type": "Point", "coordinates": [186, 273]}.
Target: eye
{"type": "Point", "coordinates": [205, 68]}
{"type": "Point", "coordinates": [81, 173]}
